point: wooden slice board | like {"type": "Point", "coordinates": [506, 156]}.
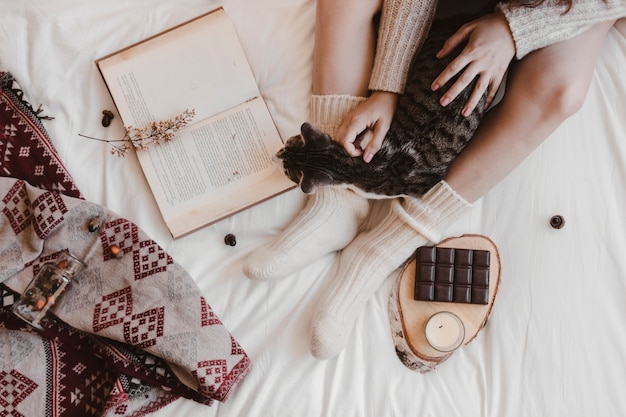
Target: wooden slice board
{"type": "Point", "coordinates": [414, 314]}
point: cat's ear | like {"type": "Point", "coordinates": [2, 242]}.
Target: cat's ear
{"type": "Point", "coordinates": [309, 130]}
{"type": "Point", "coordinates": [310, 182]}
{"type": "Point", "coordinates": [313, 135]}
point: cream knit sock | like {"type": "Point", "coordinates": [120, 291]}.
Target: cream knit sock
{"type": "Point", "coordinates": [330, 218]}
{"type": "Point", "coordinates": [329, 111]}
{"type": "Point", "coordinates": [372, 256]}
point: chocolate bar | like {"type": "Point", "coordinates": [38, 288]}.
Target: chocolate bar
{"type": "Point", "coordinates": [452, 275]}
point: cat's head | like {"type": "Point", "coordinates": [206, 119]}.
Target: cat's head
{"type": "Point", "coordinates": [307, 159]}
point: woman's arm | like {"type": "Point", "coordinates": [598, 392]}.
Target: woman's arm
{"type": "Point", "coordinates": [536, 27]}
{"type": "Point", "coordinates": [493, 41]}
{"type": "Point", "coordinates": [488, 53]}
{"type": "Point", "coordinates": [403, 27]}
{"type": "Point", "coordinates": [536, 102]}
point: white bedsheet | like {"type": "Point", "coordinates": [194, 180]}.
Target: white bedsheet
{"type": "Point", "coordinates": [554, 345]}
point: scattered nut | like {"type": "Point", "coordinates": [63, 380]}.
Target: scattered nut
{"type": "Point", "coordinates": [107, 116]}
{"type": "Point", "coordinates": [230, 239]}
{"type": "Point", "coordinates": [94, 225]}
{"type": "Point", "coordinates": [557, 222]}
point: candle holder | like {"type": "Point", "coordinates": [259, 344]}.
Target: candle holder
{"type": "Point", "coordinates": [444, 331]}
{"type": "Point", "coordinates": [47, 286]}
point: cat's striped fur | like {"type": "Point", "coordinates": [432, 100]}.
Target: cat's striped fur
{"type": "Point", "coordinates": [423, 138]}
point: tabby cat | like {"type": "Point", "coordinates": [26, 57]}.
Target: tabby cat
{"type": "Point", "coordinates": [423, 138]}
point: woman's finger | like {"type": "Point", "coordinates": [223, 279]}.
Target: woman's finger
{"type": "Point", "coordinates": [376, 142]}
{"type": "Point", "coordinates": [347, 136]}
{"type": "Point", "coordinates": [482, 83]}
{"type": "Point", "coordinates": [451, 70]}
{"type": "Point", "coordinates": [461, 83]}
{"type": "Point", "coordinates": [455, 40]}
{"type": "Point", "coordinates": [492, 91]}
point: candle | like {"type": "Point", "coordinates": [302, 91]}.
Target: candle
{"type": "Point", "coordinates": [444, 331]}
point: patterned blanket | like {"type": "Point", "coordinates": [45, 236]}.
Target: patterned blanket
{"type": "Point", "coordinates": [132, 332]}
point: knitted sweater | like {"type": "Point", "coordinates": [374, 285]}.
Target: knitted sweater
{"type": "Point", "coordinates": [534, 28]}
{"type": "Point", "coordinates": [405, 23]}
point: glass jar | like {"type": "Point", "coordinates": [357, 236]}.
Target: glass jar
{"type": "Point", "coordinates": [46, 287]}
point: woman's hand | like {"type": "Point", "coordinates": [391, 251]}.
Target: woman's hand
{"type": "Point", "coordinates": [488, 53]}
{"type": "Point", "coordinates": [364, 129]}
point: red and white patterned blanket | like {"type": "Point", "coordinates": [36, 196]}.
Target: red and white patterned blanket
{"type": "Point", "coordinates": [131, 334]}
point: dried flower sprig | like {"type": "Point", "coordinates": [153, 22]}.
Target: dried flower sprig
{"type": "Point", "coordinates": [156, 133]}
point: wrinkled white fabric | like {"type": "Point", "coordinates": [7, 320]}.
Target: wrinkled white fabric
{"type": "Point", "coordinates": [554, 342]}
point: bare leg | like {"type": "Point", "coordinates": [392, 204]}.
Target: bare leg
{"type": "Point", "coordinates": [343, 54]}
{"type": "Point", "coordinates": [544, 88]}
{"type": "Point", "coordinates": [344, 46]}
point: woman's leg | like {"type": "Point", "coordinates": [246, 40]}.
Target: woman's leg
{"type": "Point", "coordinates": [345, 39]}
{"type": "Point", "coordinates": [342, 64]}
{"type": "Point", "coordinates": [543, 89]}
{"type": "Point", "coordinates": [343, 56]}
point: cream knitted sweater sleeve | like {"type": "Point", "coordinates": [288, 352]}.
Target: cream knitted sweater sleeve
{"type": "Point", "coordinates": [536, 27]}
{"type": "Point", "coordinates": [403, 28]}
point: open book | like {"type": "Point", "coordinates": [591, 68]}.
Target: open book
{"type": "Point", "coordinates": [221, 163]}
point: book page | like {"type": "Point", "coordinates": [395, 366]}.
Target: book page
{"type": "Point", "coordinates": [198, 65]}
{"type": "Point", "coordinates": [216, 166]}
{"type": "Point", "coordinates": [221, 163]}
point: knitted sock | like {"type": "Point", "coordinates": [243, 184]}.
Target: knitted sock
{"type": "Point", "coordinates": [329, 111]}
{"type": "Point", "coordinates": [372, 256]}
{"type": "Point", "coordinates": [330, 218]}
